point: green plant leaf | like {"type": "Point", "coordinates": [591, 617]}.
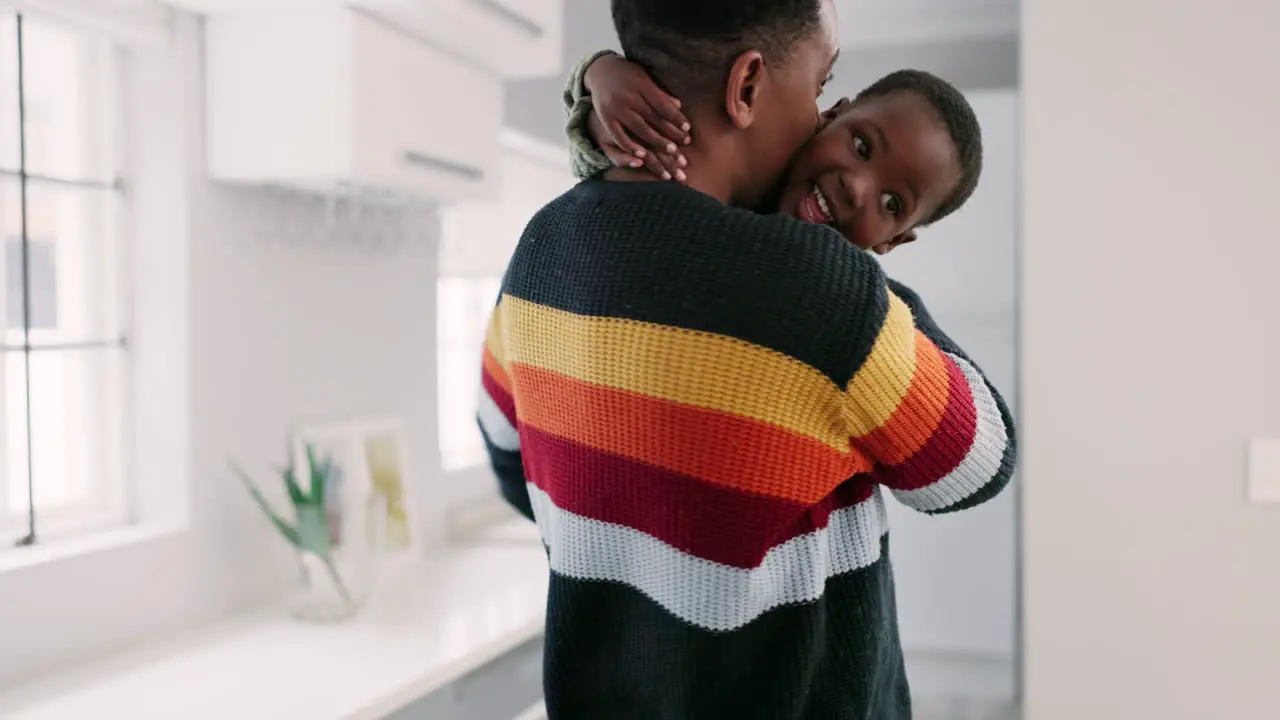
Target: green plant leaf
{"type": "Point", "coordinates": [289, 532]}
{"type": "Point", "coordinates": [296, 495]}
{"type": "Point", "coordinates": [313, 530]}
{"type": "Point", "coordinates": [319, 476]}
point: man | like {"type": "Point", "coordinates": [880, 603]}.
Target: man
{"type": "Point", "coordinates": [700, 406]}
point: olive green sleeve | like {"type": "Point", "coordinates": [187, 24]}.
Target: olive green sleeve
{"type": "Point", "coordinates": [586, 157]}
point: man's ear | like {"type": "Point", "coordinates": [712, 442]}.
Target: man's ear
{"type": "Point", "coordinates": [742, 94]}
{"type": "Point", "coordinates": [905, 238]}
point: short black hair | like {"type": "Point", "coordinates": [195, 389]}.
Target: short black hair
{"type": "Point", "coordinates": [956, 116]}
{"type": "Point", "coordinates": [688, 46]}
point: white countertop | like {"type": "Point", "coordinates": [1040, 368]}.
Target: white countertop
{"type": "Point", "coordinates": [469, 606]}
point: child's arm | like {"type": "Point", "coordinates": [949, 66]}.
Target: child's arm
{"type": "Point", "coordinates": [587, 157]}
{"type": "Point", "coordinates": [617, 116]}
{"type": "Point", "coordinates": [950, 444]}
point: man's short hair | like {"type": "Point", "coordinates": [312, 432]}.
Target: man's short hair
{"type": "Point", "coordinates": [954, 114]}
{"type": "Point", "coordinates": [688, 46]}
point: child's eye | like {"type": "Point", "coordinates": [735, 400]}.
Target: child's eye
{"type": "Point", "coordinates": [860, 147]}
{"type": "Point", "coordinates": [892, 203]}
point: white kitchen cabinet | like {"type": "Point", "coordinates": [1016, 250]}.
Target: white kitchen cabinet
{"type": "Point", "coordinates": [336, 98]}
{"type": "Point", "coordinates": [515, 38]}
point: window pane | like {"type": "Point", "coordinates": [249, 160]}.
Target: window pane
{"type": "Point", "coordinates": [60, 280]}
{"type": "Point", "coordinates": [464, 305]}
{"type": "Point", "coordinates": [73, 262]}
{"type": "Point", "coordinates": [70, 91]}
{"type": "Point", "coordinates": [8, 93]}
{"type": "Point", "coordinates": [13, 442]}
{"type": "Point", "coordinates": [76, 431]}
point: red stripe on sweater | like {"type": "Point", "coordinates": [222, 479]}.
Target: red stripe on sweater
{"type": "Point", "coordinates": [729, 450]}
{"type": "Point", "coordinates": [500, 396]}
{"type": "Point", "coordinates": [708, 521]}
{"type": "Point", "coordinates": [948, 445]}
{"type": "Point", "coordinates": [852, 492]}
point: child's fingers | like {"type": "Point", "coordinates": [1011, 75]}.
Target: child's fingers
{"type": "Point", "coordinates": [665, 167]}
{"type": "Point", "coordinates": [621, 158]}
{"type": "Point", "coordinates": [624, 140]}
{"type": "Point", "coordinates": [659, 117]}
{"type": "Point", "coordinates": [668, 109]}
{"type": "Point", "coordinates": [641, 129]}
{"type": "Point", "coordinates": [671, 132]}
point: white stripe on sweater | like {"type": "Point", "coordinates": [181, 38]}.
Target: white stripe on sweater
{"type": "Point", "coordinates": [981, 463]}
{"type": "Point", "coordinates": [704, 593]}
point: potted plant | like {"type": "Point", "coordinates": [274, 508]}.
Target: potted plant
{"type": "Point", "coordinates": [329, 553]}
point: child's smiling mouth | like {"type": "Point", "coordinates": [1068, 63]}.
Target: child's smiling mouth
{"type": "Point", "coordinates": [815, 208]}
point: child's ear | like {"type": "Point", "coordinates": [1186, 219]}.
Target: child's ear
{"type": "Point", "coordinates": [833, 112]}
{"type": "Point", "coordinates": [905, 238]}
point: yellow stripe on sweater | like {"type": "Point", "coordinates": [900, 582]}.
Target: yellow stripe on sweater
{"type": "Point", "coordinates": [699, 369]}
{"type": "Point", "coordinates": [879, 386]}
{"type": "Point", "coordinates": [494, 341]}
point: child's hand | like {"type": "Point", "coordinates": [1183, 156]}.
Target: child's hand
{"type": "Point", "coordinates": [633, 121]}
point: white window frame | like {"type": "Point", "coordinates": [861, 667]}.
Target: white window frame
{"type": "Point", "coordinates": [95, 578]}
{"type": "Point", "coordinates": [55, 352]}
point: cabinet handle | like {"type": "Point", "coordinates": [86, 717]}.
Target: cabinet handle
{"type": "Point", "coordinates": [495, 7]}
{"type": "Point", "coordinates": [423, 160]}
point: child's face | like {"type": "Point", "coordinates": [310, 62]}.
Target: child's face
{"type": "Point", "coordinates": [878, 169]}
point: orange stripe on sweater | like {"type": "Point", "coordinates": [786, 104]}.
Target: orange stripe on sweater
{"type": "Point", "coordinates": [688, 367]}
{"type": "Point", "coordinates": [919, 413]}
{"type": "Point", "coordinates": [496, 371]}
{"type": "Point", "coordinates": [717, 447]}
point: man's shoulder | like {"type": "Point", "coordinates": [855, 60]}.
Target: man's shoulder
{"type": "Point", "coordinates": [654, 212]}
{"type": "Point", "coordinates": [685, 260]}
{"type": "Point", "coordinates": [668, 232]}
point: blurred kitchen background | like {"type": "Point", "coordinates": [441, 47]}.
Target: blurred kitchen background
{"type": "Point", "coordinates": [230, 222]}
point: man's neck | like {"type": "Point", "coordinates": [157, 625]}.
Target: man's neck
{"type": "Point", "coordinates": [703, 173]}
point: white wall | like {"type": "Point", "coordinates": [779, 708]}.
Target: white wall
{"type": "Point", "coordinates": [956, 573]}
{"type": "Point", "coordinates": [284, 333]}
{"type": "Point", "coordinates": [250, 334]}
{"type": "Point", "coordinates": [970, 63]}
{"type": "Point", "coordinates": [1151, 336]}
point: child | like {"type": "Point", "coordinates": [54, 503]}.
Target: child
{"type": "Point", "coordinates": [905, 153]}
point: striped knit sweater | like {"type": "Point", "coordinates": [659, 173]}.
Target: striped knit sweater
{"type": "Point", "coordinates": [701, 407]}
